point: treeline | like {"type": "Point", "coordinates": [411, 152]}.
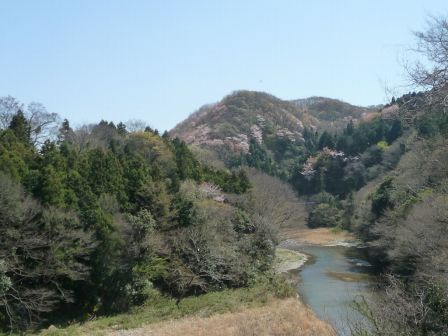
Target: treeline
{"type": "Point", "coordinates": [98, 219]}
{"type": "Point", "coordinates": [404, 216]}
{"type": "Point", "coordinates": [327, 168]}
{"type": "Point", "coordinates": [404, 219]}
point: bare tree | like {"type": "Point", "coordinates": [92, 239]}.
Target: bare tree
{"type": "Point", "coordinates": [43, 124]}
{"type": "Point", "coordinates": [9, 106]}
{"type": "Point", "coordinates": [41, 251]}
{"type": "Point", "coordinates": [432, 74]}
{"type": "Point", "coordinates": [135, 125]}
{"type": "Point", "coordinates": [275, 201]}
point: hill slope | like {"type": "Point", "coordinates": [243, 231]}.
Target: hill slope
{"type": "Point", "coordinates": [333, 113]}
{"type": "Point", "coordinates": [263, 131]}
{"type": "Point", "coordinates": [240, 114]}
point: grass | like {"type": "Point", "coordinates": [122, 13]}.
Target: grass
{"type": "Point", "coordinates": [336, 229]}
{"type": "Point", "coordinates": [286, 317]}
{"type": "Point", "coordinates": [161, 308]}
{"type": "Point", "coordinates": [287, 256]}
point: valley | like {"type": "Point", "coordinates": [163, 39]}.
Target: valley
{"type": "Point", "coordinates": [224, 168]}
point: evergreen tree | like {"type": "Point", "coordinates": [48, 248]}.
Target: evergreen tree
{"type": "Point", "coordinates": [121, 128]}
{"type": "Point", "coordinates": [350, 127]}
{"type": "Point", "coordinates": [325, 140]}
{"type": "Point", "coordinates": [20, 126]}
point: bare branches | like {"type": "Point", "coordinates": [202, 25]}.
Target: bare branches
{"type": "Point", "coordinates": [8, 107]}
{"type": "Point", "coordinates": [43, 124]}
{"type": "Point", "coordinates": [432, 74]}
{"type": "Point", "coordinates": [41, 251]}
{"type": "Point", "coordinates": [275, 201]}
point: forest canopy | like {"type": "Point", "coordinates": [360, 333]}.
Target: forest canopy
{"type": "Point", "coordinates": [94, 220]}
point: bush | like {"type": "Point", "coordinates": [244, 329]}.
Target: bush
{"type": "Point", "coordinates": [325, 215]}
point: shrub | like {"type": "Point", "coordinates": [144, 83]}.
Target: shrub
{"type": "Point", "coordinates": [324, 215]}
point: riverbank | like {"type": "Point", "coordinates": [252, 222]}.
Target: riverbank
{"type": "Point", "coordinates": [319, 236]}
{"type": "Point", "coordinates": [268, 307]}
{"type": "Point", "coordinates": [288, 260]}
{"type": "Point", "coordinates": [262, 309]}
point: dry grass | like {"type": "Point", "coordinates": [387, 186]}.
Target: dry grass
{"type": "Point", "coordinates": [280, 317]}
{"type": "Point", "coordinates": [286, 260]}
{"type": "Point", "coordinates": [320, 236]}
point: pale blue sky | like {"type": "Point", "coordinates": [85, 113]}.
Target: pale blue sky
{"type": "Point", "coordinates": [160, 60]}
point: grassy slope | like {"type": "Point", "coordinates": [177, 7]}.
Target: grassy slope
{"type": "Point", "coordinates": [281, 317]}
{"type": "Point", "coordinates": [268, 307]}
{"type": "Point", "coordinates": [161, 308]}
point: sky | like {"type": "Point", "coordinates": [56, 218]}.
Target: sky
{"type": "Point", "coordinates": [159, 61]}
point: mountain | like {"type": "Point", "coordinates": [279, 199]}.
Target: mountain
{"type": "Point", "coordinates": [243, 115]}
{"type": "Point", "coordinates": [240, 116]}
{"type": "Point", "coordinates": [378, 171]}
{"type": "Point", "coordinates": [247, 125]}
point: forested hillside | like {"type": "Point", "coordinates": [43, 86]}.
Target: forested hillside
{"type": "Point", "coordinates": [293, 141]}
{"type": "Point", "coordinates": [333, 114]}
{"type": "Point", "coordinates": [262, 131]}
{"type": "Point", "coordinates": [403, 216]}
{"type": "Point", "coordinates": [100, 219]}
{"type": "Point", "coordinates": [380, 173]}
{"type": "Point", "coordinates": [95, 220]}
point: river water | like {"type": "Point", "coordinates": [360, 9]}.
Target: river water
{"type": "Point", "coordinates": [330, 281]}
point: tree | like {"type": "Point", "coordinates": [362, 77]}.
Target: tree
{"type": "Point", "coordinates": [275, 201]}
{"type": "Point", "coordinates": [33, 125]}
{"type": "Point", "coordinates": [50, 187]}
{"type": "Point", "coordinates": [43, 124]}
{"type": "Point", "coordinates": [9, 106]}
{"type": "Point", "coordinates": [324, 215]}
{"type": "Point", "coordinates": [325, 140]}
{"type": "Point", "coordinates": [350, 127]}
{"type": "Point", "coordinates": [381, 199]}
{"type": "Point", "coordinates": [136, 125]}
{"type": "Point", "coordinates": [19, 125]}
{"type": "Point", "coordinates": [65, 131]}
{"type": "Point", "coordinates": [43, 254]}
{"type": "Point", "coordinates": [433, 74]}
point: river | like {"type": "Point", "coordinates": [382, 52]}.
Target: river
{"type": "Point", "coordinates": [331, 279]}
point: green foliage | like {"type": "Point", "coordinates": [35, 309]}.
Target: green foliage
{"type": "Point", "coordinates": [324, 215]}
{"type": "Point", "coordinates": [325, 140]}
{"type": "Point", "coordinates": [242, 223]}
{"type": "Point", "coordinates": [404, 218]}
{"type": "Point", "coordinates": [383, 145]}
{"type": "Point", "coordinates": [235, 182]}
{"type": "Point", "coordinates": [381, 199]}
{"type": "Point", "coordinates": [259, 158]}
{"type": "Point", "coordinates": [186, 211]}
{"type": "Point", "coordinates": [44, 256]}
{"type": "Point", "coordinates": [92, 230]}
{"type": "Point", "coordinates": [20, 127]}
{"type": "Point", "coordinates": [161, 308]}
